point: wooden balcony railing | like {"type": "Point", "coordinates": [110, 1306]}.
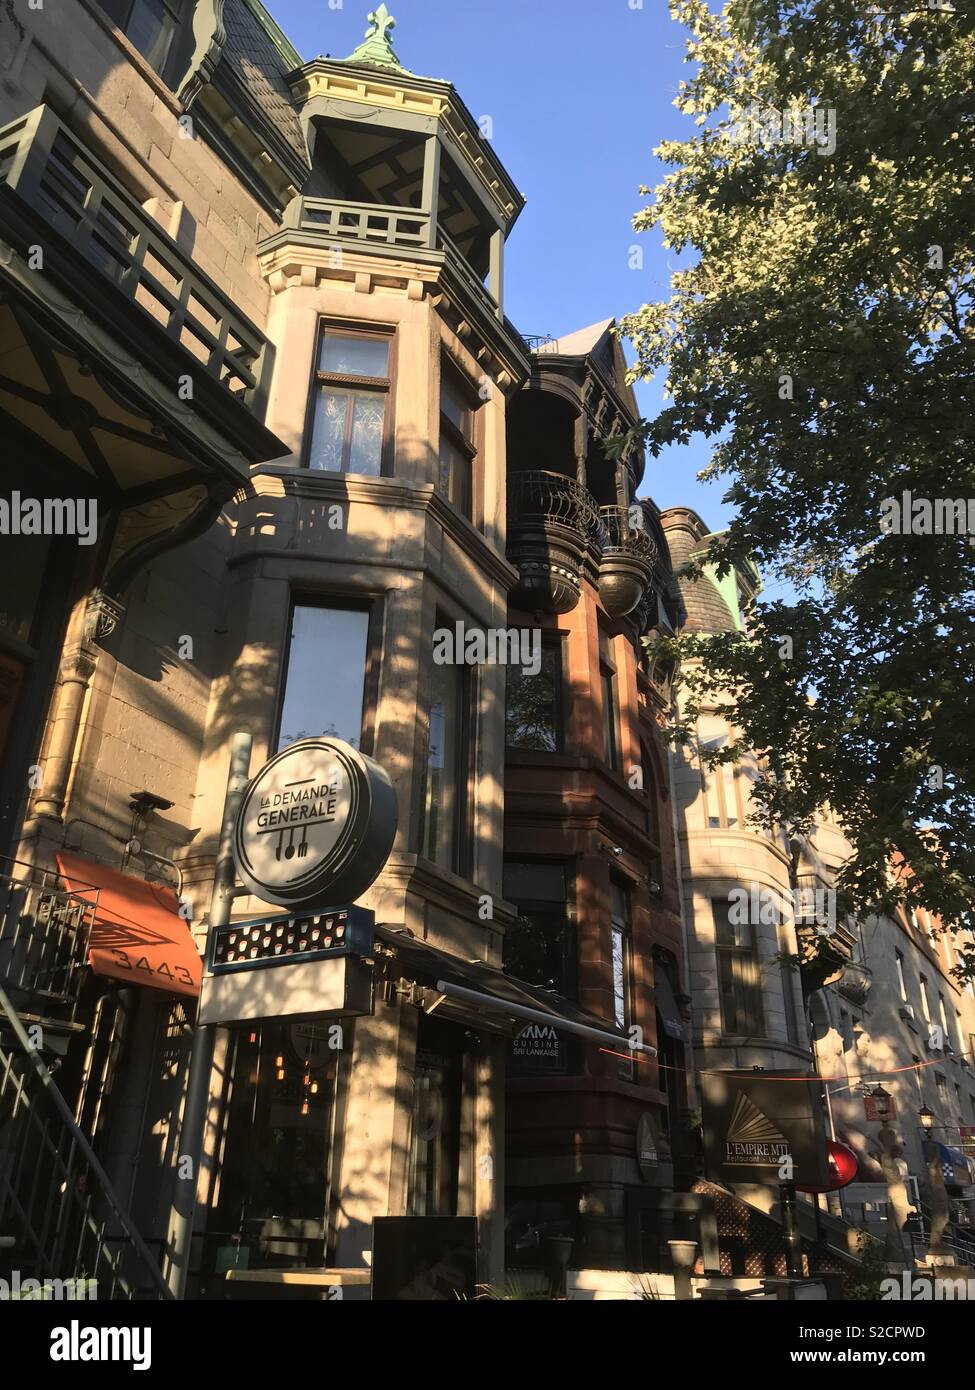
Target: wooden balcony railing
{"type": "Point", "coordinates": [390, 226]}
{"type": "Point", "coordinates": [47, 168]}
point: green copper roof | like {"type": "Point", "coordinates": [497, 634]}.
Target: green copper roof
{"type": "Point", "coordinates": [377, 47]}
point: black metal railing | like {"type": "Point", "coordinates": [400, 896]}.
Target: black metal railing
{"type": "Point", "coordinates": [45, 932]}
{"type": "Point", "coordinates": [624, 535]}
{"type": "Point", "coordinates": [539, 498]}
{"type": "Point", "coordinates": [60, 1216]}
{"type": "Point", "coordinates": [45, 166]}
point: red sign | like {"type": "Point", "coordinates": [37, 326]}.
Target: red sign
{"type": "Point", "coordinates": [870, 1108]}
{"type": "Point", "coordinates": [842, 1167]}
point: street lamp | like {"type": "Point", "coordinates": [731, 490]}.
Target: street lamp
{"type": "Point", "coordinates": [882, 1104]}
{"type": "Point", "coordinates": [927, 1118]}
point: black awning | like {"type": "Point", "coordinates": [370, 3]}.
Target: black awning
{"type": "Point", "coordinates": [663, 994]}
{"type": "Point", "coordinates": [481, 987]}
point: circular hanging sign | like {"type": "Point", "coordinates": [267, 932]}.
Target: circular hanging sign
{"type": "Point", "coordinates": [316, 824]}
{"type": "Point", "coordinates": [843, 1164]}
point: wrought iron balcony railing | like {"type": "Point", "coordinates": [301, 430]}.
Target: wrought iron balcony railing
{"type": "Point", "coordinates": [541, 498]}
{"type": "Point", "coordinates": [554, 534]}
{"type": "Point", "coordinates": [626, 569]}
{"type": "Point", "coordinates": [50, 171]}
{"type": "Point", "coordinates": [629, 539]}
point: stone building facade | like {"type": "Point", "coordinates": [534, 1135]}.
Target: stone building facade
{"type": "Point", "coordinates": [253, 307]}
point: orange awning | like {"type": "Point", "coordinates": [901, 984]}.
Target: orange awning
{"type": "Point", "coordinates": [138, 935]}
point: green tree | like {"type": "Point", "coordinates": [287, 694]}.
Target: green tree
{"type": "Point", "coordinates": [820, 334]}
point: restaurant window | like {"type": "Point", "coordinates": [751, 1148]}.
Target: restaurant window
{"type": "Point", "coordinates": [353, 382]}
{"type": "Point", "coordinates": [619, 901]}
{"type": "Point", "coordinates": [455, 477]}
{"type": "Point", "coordinates": [925, 1001]}
{"type": "Point", "coordinates": [539, 948]}
{"type": "Point", "coordinates": [901, 982]}
{"type": "Point", "coordinates": [739, 977]}
{"type": "Point", "coordinates": [534, 712]}
{"type": "Point", "coordinates": [149, 25]}
{"type": "Point", "coordinates": [325, 678]}
{"type": "Point", "coordinates": [275, 1172]}
{"type": "Point", "coordinates": [445, 791]}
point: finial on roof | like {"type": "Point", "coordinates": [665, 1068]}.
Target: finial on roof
{"type": "Point", "coordinates": [377, 46]}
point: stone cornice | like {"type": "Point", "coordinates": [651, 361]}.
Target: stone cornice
{"type": "Point", "coordinates": [301, 258]}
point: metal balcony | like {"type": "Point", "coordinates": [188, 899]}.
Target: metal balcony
{"type": "Point", "coordinates": [628, 560]}
{"type": "Point", "coordinates": [46, 169]}
{"type": "Point", "coordinates": [554, 531]}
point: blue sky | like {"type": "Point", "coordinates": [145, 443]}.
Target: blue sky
{"type": "Point", "coordinates": [579, 93]}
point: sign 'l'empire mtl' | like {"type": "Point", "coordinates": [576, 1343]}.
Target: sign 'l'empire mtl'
{"type": "Point", "coordinates": [316, 824]}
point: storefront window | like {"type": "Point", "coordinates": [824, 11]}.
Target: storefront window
{"type": "Point", "coordinates": [275, 1174]}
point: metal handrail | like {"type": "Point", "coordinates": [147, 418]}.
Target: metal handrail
{"type": "Point", "coordinates": [68, 1189]}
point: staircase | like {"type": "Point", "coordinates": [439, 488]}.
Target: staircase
{"type": "Point", "coordinates": [60, 1218]}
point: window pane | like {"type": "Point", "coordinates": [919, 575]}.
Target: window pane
{"type": "Point", "coordinates": [354, 356]}
{"type": "Point", "coordinates": [369, 413]}
{"type": "Point", "coordinates": [326, 675]}
{"type": "Point", "coordinates": [527, 882]}
{"type": "Point", "coordinates": [536, 950]}
{"type": "Point", "coordinates": [150, 30]}
{"type": "Point", "coordinates": [328, 430]}
{"type": "Point", "coordinates": [619, 978]}
{"type": "Point", "coordinates": [454, 477]}
{"type": "Point", "coordinates": [440, 813]}
{"type": "Point", "coordinates": [456, 409]}
{"type": "Point", "coordinates": [610, 719]}
{"type": "Point", "coordinates": [532, 718]}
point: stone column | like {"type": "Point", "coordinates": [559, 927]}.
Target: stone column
{"type": "Point", "coordinates": [74, 678]}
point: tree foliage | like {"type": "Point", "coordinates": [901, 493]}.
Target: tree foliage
{"type": "Point", "coordinates": [821, 336]}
